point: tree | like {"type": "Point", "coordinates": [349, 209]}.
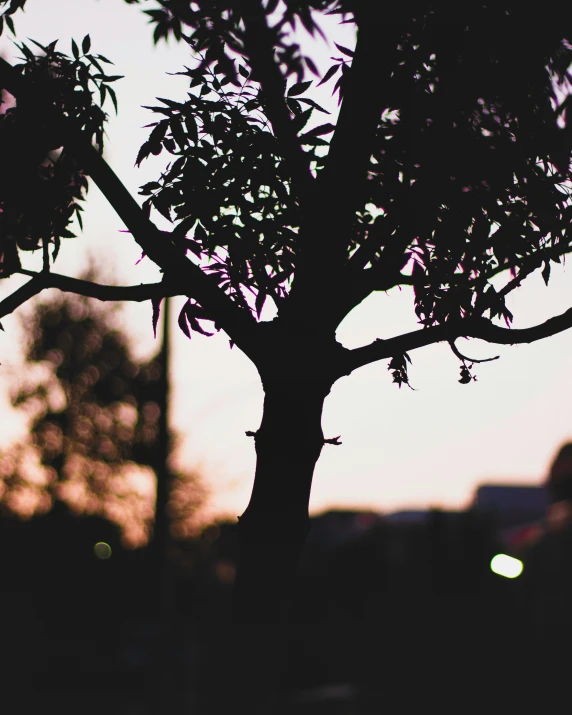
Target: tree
{"type": "Point", "coordinates": [446, 172]}
{"type": "Point", "coordinates": [94, 425]}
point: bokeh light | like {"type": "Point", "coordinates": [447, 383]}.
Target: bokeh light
{"type": "Point", "coordinates": [506, 566]}
{"type": "Point", "coordinates": [102, 550]}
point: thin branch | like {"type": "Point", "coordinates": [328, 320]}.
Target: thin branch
{"type": "Point", "coordinates": [46, 254]}
{"type": "Point", "coordinates": [527, 265]}
{"type": "Point", "coordinates": [238, 324]}
{"type": "Point", "coordinates": [44, 280]}
{"type": "Point", "coordinates": [480, 328]}
{"type": "Point", "coordinates": [21, 296]}
{"type": "Point", "coordinates": [515, 282]}
{"type": "Point", "coordinates": [135, 293]}
{"type": "Point", "coordinates": [259, 45]}
{"type": "Point", "coordinates": [367, 250]}
{"type": "Point", "coordinates": [464, 358]}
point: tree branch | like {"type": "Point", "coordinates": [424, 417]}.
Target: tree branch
{"type": "Point", "coordinates": [326, 233]}
{"type": "Point", "coordinates": [44, 280]}
{"type": "Point", "coordinates": [356, 288]}
{"type": "Point", "coordinates": [368, 248]}
{"type": "Point", "coordinates": [341, 182]}
{"type": "Point", "coordinates": [527, 265]}
{"type": "Point", "coordinates": [21, 296]}
{"type": "Point", "coordinates": [464, 358]}
{"type": "Point", "coordinates": [259, 46]}
{"type": "Point", "coordinates": [237, 323]}
{"type": "Point", "coordinates": [480, 328]}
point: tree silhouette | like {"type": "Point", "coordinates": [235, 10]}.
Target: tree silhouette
{"type": "Point", "coordinates": [94, 435]}
{"type": "Point", "coordinates": [446, 172]}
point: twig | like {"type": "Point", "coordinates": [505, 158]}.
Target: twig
{"type": "Point", "coordinates": [464, 358]}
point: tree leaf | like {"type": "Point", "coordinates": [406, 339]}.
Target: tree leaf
{"type": "Point", "coordinates": [95, 63]}
{"type": "Point", "coordinates": [107, 77]}
{"type": "Point", "coordinates": [57, 244]}
{"type": "Point", "coordinates": [329, 74]}
{"type": "Point", "coordinates": [298, 88]}
{"type": "Point", "coordinates": [113, 96]}
{"type": "Point", "coordinates": [156, 303]}
{"type": "Point", "coordinates": [310, 140]}
{"type": "Point", "coordinates": [195, 325]}
{"type": "Point", "coordinates": [143, 153]}
{"type": "Point", "coordinates": [313, 104]}
{"type": "Point", "coordinates": [178, 132]}
{"type": "Point", "coordinates": [182, 320]}
{"type": "Point", "coordinates": [345, 50]}
{"type": "Point", "coordinates": [259, 303]}
{"type": "Point", "coordinates": [300, 121]}
{"type": "Point", "coordinates": [319, 131]}
{"type": "Point", "coordinates": [191, 126]}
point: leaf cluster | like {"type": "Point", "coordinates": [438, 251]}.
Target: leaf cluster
{"type": "Point", "coordinates": [42, 184]}
{"type": "Point", "coordinates": [228, 182]}
{"type": "Point", "coordinates": [398, 368]}
{"type": "Point", "coordinates": [6, 15]}
{"type": "Point", "coordinates": [470, 169]}
{"type": "Point", "coordinates": [173, 17]}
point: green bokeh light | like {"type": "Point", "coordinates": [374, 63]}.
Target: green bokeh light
{"type": "Point", "coordinates": [102, 550]}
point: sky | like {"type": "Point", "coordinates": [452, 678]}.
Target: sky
{"type": "Point", "coordinates": [400, 448]}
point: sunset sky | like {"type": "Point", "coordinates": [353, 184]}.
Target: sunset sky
{"type": "Point", "coordinates": [401, 448]}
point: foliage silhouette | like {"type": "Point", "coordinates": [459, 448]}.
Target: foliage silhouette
{"type": "Point", "coordinates": [446, 172]}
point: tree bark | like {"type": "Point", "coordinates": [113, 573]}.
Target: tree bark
{"type": "Point", "coordinates": [272, 533]}
{"type": "Point", "coordinates": [273, 529]}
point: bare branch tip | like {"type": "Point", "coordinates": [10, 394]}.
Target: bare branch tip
{"type": "Point", "coordinates": [464, 358]}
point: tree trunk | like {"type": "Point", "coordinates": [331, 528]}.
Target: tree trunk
{"type": "Point", "coordinates": [272, 533]}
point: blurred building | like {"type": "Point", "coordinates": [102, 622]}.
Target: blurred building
{"type": "Point", "coordinates": [407, 516]}
{"type": "Point", "coordinates": [334, 527]}
{"type": "Point", "coordinates": [512, 504]}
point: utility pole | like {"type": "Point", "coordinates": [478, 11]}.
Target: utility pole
{"type": "Point", "coordinates": [161, 533]}
{"type": "Point", "coordinates": [167, 674]}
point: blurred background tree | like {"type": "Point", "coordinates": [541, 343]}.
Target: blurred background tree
{"type": "Point", "coordinates": [97, 465]}
{"type": "Point", "coordinates": [94, 412]}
